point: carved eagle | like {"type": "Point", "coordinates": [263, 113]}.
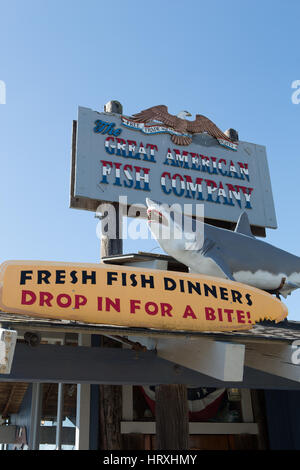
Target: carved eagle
{"type": "Point", "coordinates": [180, 124]}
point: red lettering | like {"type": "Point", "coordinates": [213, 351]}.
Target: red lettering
{"type": "Point", "coordinates": [152, 148]}
{"type": "Point", "coordinates": [60, 302]}
{"type": "Point", "coordinates": [240, 316]}
{"type": "Point", "coordinates": [220, 314]}
{"type": "Point", "coordinates": [121, 142]}
{"type": "Point", "coordinates": [45, 299]}
{"type": "Point", "coordinates": [210, 313]}
{"type": "Point", "coordinates": [166, 309]}
{"type": "Point", "coordinates": [134, 304]}
{"type": "Point", "coordinates": [115, 305]}
{"type": "Point", "coordinates": [80, 300]}
{"type": "Point", "coordinates": [205, 160]}
{"type": "Point", "coordinates": [152, 305]}
{"type": "Point", "coordinates": [229, 314]}
{"type": "Point", "coordinates": [131, 143]}
{"type": "Point", "coordinates": [189, 312]}
{"type": "Point", "coordinates": [211, 185]}
{"type": "Point", "coordinates": [31, 300]}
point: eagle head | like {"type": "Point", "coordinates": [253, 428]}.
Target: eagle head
{"type": "Point", "coordinates": [183, 114]}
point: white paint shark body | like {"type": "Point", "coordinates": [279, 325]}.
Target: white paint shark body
{"type": "Point", "coordinates": [235, 255]}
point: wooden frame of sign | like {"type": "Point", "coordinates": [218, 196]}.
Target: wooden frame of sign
{"type": "Point", "coordinates": [84, 203]}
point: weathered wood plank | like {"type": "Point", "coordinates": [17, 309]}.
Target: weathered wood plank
{"type": "Point", "coordinates": [68, 364]}
{"type": "Point", "coordinates": [172, 417]}
{"type": "Point", "coordinates": [149, 427]}
{"type": "Point", "coordinates": [110, 409]}
{"type": "Point", "coordinates": [259, 411]}
{"type": "Point", "coordinates": [222, 360]}
{"type": "Point", "coordinates": [274, 359]}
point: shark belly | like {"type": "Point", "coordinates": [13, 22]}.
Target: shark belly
{"type": "Point", "coordinates": [198, 263]}
{"type": "Point", "coordinates": [261, 278]}
{"type": "Point", "coordinates": [269, 281]}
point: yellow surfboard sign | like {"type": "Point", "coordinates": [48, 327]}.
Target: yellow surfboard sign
{"type": "Point", "coordinates": [133, 297]}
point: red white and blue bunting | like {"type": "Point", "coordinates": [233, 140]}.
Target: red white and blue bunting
{"type": "Point", "coordinates": [203, 403]}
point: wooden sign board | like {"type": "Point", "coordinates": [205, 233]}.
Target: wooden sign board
{"type": "Point", "coordinates": [133, 297]}
{"type": "Point", "coordinates": [112, 158]}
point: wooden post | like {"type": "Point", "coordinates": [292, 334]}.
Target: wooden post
{"type": "Point", "coordinates": [259, 412]}
{"type": "Point", "coordinates": [110, 396]}
{"type": "Point", "coordinates": [110, 410]}
{"type": "Point", "coordinates": [172, 421]}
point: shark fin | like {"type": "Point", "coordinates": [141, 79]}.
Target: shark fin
{"type": "Point", "coordinates": [211, 250]}
{"type": "Point", "coordinates": [243, 225]}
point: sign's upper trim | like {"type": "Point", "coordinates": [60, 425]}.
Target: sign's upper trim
{"type": "Point", "coordinates": [180, 129]}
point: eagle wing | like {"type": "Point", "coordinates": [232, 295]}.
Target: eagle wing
{"type": "Point", "coordinates": [203, 124]}
{"type": "Point", "coordinates": [157, 113]}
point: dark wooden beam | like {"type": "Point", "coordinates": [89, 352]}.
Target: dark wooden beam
{"type": "Point", "coordinates": [110, 408]}
{"type": "Point", "coordinates": [68, 364]}
{"type": "Point", "coordinates": [259, 413]}
{"type": "Point", "coordinates": [172, 417]}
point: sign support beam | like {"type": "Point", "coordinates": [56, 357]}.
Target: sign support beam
{"type": "Point", "coordinates": [172, 422]}
{"type": "Point", "coordinates": [110, 405]}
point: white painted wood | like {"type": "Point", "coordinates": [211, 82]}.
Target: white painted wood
{"type": "Point", "coordinates": [82, 433]}
{"type": "Point", "coordinates": [149, 427]}
{"type": "Point", "coordinates": [246, 406]}
{"type": "Point", "coordinates": [8, 339]}
{"type": "Point", "coordinates": [221, 360]}
{"type": "Point", "coordinates": [273, 358]}
{"type": "Point", "coordinates": [59, 417]}
{"type": "Point", "coordinates": [151, 264]}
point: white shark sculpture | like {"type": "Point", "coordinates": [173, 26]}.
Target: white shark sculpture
{"type": "Point", "coordinates": [236, 255]}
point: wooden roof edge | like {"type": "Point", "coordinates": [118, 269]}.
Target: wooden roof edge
{"type": "Point", "coordinates": [266, 330]}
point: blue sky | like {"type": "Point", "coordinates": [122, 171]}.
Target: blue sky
{"type": "Point", "coordinates": [229, 60]}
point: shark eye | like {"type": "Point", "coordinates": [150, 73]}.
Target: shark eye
{"type": "Point", "coordinates": [162, 219]}
{"type": "Point", "coordinates": [156, 216]}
